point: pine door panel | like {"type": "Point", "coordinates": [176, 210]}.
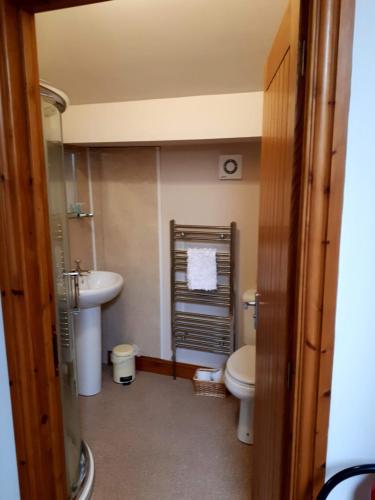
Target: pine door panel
{"type": "Point", "coordinates": [277, 219]}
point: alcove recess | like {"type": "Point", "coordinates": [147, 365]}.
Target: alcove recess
{"type": "Point", "coordinates": [79, 205]}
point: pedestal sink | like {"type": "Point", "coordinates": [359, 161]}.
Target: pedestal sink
{"type": "Point", "coordinates": [95, 288]}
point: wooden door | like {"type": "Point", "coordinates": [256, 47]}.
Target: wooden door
{"type": "Point", "coordinates": [276, 268]}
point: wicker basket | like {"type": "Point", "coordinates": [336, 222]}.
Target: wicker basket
{"type": "Point", "coordinates": [208, 387]}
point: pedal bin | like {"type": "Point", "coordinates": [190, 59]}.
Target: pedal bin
{"type": "Point", "coordinates": [123, 359]}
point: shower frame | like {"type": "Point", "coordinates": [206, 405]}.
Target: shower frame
{"type": "Point", "coordinates": [25, 263]}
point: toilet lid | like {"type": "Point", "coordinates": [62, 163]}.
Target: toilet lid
{"type": "Point", "coordinates": [241, 364]}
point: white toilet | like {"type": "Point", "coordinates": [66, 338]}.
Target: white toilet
{"type": "Point", "coordinates": [239, 379]}
{"type": "Point", "coordinates": [239, 375]}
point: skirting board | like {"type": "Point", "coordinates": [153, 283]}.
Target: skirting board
{"type": "Point", "coordinates": [162, 366]}
{"type": "Point", "coordinates": [165, 367]}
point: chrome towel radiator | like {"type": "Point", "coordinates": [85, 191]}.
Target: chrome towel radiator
{"type": "Point", "coordinates": [196, 329]}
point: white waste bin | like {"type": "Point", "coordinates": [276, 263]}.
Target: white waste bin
{"type": "Point", "coordinates": [123, 359]}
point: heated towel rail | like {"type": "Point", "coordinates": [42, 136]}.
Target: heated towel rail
{"type": "Point", "coordinates": [198, 329]}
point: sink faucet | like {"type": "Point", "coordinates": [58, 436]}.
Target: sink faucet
{"type": "Point", "coordinates": [78, 268]}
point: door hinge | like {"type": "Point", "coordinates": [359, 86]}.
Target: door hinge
{"type": "Point", "coordinates": [302, 58]}
{"type": "Point", "coordinates": [289, 376]}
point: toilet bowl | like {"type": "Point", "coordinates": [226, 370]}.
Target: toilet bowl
{"type": "Point", "coordinates": [239, 379]}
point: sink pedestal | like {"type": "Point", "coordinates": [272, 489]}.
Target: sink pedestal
{"type": "Point", "coordinates": [95, 288]}
{"type": "Point", "coordinates": [89, 351]}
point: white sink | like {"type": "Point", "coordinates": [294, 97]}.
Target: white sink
{"type": "Point", "coordinates": [95, 288]}
{"type": "Point", "coordinates": [99, 287]}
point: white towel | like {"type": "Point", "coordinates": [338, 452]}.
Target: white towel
{"type": "Point", "coordinates": [209, 375]}
{"type": "Point", "coordinates": [201, 269]}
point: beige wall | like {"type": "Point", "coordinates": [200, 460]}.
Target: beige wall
{"type": "Point", "coordinates": [136, 191]}
{"type": "Point", "coordinates": [191, 193]}
{"type": "Point", "coordinates": [125, 205]}
{"type": "Point", "coordinates": [194, 118]}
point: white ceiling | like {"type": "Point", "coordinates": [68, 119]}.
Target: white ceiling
{"type": "Point", "coordinates": [147, 49]}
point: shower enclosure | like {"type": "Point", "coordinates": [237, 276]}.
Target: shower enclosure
{"type": "Point", "coordinates": [79, 464]}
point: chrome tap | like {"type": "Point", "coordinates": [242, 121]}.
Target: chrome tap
{"type": "Point", "coordinates": [78, 269]}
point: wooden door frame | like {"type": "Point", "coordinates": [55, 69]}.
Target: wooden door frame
{"type": "Point", "coordinates": [327, 96]}
{"type": "Point", "coordinates": [26, 268]}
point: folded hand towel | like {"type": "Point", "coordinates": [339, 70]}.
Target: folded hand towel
{"type": "Point", "coordinates": [201, 269]}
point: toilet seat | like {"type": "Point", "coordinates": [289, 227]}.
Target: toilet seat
{"type": "Point", "coordinates": [238, 386]}
{"type": "Point", "coordinates": [241, 365]}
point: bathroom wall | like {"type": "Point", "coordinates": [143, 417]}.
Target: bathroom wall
{"type": "Point", "coordinates": [9, 488]}
{"type": "Point", "coordinates": [191, 193]}
{"type": "Point", "coordinates": [193, 118]}
{"type": "Point", "coordinates": [126, 235]}
{"type": "Point", "coordinates": [135, 193]}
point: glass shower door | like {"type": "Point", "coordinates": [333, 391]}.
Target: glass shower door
{"type": "Point", "coordinates": [66, 296]}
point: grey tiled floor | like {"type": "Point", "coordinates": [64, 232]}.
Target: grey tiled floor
{"type": "Point", "coordinates": [155, 440]}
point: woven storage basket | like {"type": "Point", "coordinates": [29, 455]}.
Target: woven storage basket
{"type": "Point", "coordinates": [208, 387]}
